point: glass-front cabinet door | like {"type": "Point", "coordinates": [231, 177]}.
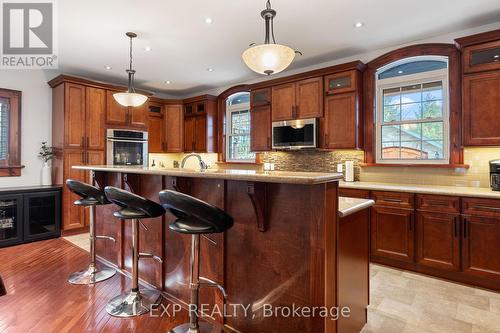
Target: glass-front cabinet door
{"type": "Point", "coordinates": [483, 57]}
{"type": "Point", "coordinates": [41, 215]}
{"type": "Point", "coordinates": [340, 82]}
{"type": "Point", "coordinates": [11, 220]}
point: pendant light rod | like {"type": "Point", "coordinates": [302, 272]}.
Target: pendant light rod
{"type": "Point", "coordinates": [268, 15]}
{"type": "Point", "coordinates": [131, 71]}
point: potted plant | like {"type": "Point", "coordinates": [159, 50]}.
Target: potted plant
{"type": "Point", "coordinates": [46, 154]}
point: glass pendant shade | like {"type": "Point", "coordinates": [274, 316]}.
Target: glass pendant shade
{"type": "Point", "coordinates": [130, 99]}
{"type": "Point", "coordinates": [268, 58]}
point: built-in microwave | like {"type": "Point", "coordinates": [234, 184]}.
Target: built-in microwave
{"type": "Point", "coordinates": [295, 134]}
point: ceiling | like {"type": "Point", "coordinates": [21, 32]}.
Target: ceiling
{"type": "Point", "coordinates": [183, 46]}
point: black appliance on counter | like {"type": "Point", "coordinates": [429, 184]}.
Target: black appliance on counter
{"type": "Point", "coordinates": [495, 175]}
{"type": "Point", "coordinates": [29, 214]}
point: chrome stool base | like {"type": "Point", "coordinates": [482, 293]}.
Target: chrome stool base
{"type": "Point", "coordinates": [202, 328]}
{"type": "Point", "coordinates": [133, 304]}
{"type": "Point", "coordinates": [91, 276]}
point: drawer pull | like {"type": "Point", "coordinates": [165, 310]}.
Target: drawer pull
{"type": "Point", "coordinates": [392, 200]}
{"type": "Point", "coordinates": [480, 207]}
{"type": "Point", "coordinates": [438, 203]}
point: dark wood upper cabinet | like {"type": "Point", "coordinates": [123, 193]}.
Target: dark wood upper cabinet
{"type": "Point", "coordinates": [156, 143]}
{"type": "Point", "coordinates": [260, 129]}
{"type": "Point", "coordinates": [174, 128]}
{"type": "Point", "coordinates": [260, 97]}
{"type": "Point", "coordinates": [438, 240]}
{"type": "Point", "coordinates": [74, 116]}
{"type": "Point", "coordinates": [482, 57]}
{"type": "Point", "coordinates": [309, 98]}
{"type": "Point", "coordinates": [297, 100]}
{"type": "Point", "coordinates": [95, 110]}
{"type": "Point", "coordinates": [341, 82]}
{"type": "Point", "coordinates": [481, 88]}
{"type": "Point", "coordinates": [283, 102]}
{"type": "Point", "coordinates": [189, 143]}
{"type": "Point", "coordinates": [139, 115]}
{"type": "Point", "coordinates": [116, 114]}
{"type": "Point", "coordinates": [481, 102]}
{"type": "Point", "coordinates": [200, 124]}
{"type": "Point", "coordinates": [340, 122]}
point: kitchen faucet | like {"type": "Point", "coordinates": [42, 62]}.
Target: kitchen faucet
{"type": "Point", "coordinates": [203, 165]}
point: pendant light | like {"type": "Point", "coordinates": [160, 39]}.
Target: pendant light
{"type": "Point", "coordinates": [269, 58]}
{"type": "Point", "coordinates": [130, 97]}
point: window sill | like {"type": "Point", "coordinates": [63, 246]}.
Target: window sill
{"type": "Point", "coordinates": [444, 166]}
{"type": "Point", "coordinates": [11, 170]}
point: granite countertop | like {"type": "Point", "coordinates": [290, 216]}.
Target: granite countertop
{"type": "Point", "coordinates": [462, 191]}
{"type": "Point", "coordinates": [348, 206]}
{"type": "Point", "coordinates": [306, 178]}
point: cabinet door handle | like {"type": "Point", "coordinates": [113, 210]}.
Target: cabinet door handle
{"type": "Point", "coordinates": [193, 145]}
{"type": "Point", "coordinates": [269, 142]}
{"type": "Point", "coordinates": [87, 157]}
{"type": "Point", "coordinates": [326, 139]}
{"type": "Point", "coordinates": [83, 142]}
{"type": "Point", "coordinates": [296, 111]}
{"type": "Point", "coordinates": [465, 228]}
{"type": "Point", "coordinates": [166, 146]}
{"type": "Point", "coordinates": [88, 143]}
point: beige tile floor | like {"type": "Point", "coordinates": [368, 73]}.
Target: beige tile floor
{"type": "Point", "coordinates": [405, 302]}
{"type": "Point", "coordinates": [80, 240]}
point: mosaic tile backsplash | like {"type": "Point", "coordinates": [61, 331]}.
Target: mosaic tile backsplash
{"type": "Point", "coordinates": [314, 160]}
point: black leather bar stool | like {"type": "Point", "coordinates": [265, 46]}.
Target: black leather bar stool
{"type": "Point", "coordinates": [90, 197]}
{"type": "Point", "coordinates": [196, 218]}
{"type": "Point", "coordinates": [133, 207]}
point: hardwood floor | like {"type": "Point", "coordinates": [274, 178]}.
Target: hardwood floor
{"type": "Point", "coordinates": [40, 299]}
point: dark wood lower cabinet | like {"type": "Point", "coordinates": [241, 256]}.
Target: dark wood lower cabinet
{"type": "Point", "coordinates": [438, 240]}
{"type": "Point", "coordinates": [481, 247]}
{"type": "Point", "coordinates": [392, 233]}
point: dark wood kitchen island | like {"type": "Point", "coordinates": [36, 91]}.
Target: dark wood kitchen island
{"type": "Point", "coordinates": [279, 257]}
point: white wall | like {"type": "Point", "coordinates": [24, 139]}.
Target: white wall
{"type": "Point", "coordinates": [36, 121]}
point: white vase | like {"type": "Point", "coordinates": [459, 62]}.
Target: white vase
{"type": "Point", "coordinates": [46, 174]}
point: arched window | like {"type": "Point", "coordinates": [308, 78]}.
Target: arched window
{"type": "Point", "coordinates": [412, 111]}
{"type": "Point", "coordinates": [238, 128]}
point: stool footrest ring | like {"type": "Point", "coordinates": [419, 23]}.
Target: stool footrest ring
{"type": "Point", "coordinates": [151, 256]}
{"type": "Point", "coordinates": [107, 238]}
{"type": "Point", "coordinates": [204, 282]}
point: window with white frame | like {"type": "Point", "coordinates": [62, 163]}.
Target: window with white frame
{"type": "Point", "coordinates": [412, 111]}
{"type": "Point", "coordinates": [238, 128]}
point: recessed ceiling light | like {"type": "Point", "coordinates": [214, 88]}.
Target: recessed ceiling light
{"type": "Point", "coordinates": [210, 69]}
{"type": "Point", "coordinates": [108, 68]}
{"type": "Point", "coordinates": [400, 72]}
{"type": "Point", "coordinates": [147, 48]}
{"type": "Point", "coordinates": [209, 20]}
{"type": "Point", "coordinates": [168, 82]}
{"type": "Point", "coordinates": [358, 24]}
{"type": "Point", "coordinates": [496, 56]}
